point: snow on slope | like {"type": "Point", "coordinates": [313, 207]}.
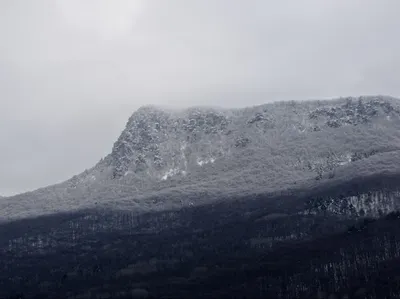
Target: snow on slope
{"type": "Point", "coordinates": [215, 151]}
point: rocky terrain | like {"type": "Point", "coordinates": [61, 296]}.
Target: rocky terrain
{"type": "Point", "coordinates": [283, 200]}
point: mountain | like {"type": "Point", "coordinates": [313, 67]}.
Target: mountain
{"type": "Point", "coordinates": [283, 200]}
{"type": "Point", "coordinates": [163, 155]}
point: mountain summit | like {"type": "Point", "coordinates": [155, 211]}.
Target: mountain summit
{"type": "Point", "coordinates": [164, 158]}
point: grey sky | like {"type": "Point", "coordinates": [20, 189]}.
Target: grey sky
{"type": "Point", "coordinates": [72, 71]}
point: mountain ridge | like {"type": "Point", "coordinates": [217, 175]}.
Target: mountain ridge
{"type": "Point", "coordinates": [306, 205]}
{"type": "Point", "coordinates": [229, 151]}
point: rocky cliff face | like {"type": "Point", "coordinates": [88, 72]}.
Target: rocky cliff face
{"type": "Point", "coordinates": [161, 144]}
{"type": "Point", "coordinates": [213, 152]}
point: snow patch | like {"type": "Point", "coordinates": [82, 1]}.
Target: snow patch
{"type": "Point", "coordinates": [205, 161]}
{"type": "Point", "coordinates": [170, 173]}
{"type": "Point", "coordinates": [183, 148]}
{"type": "Point", "coordinates": [346, 160]}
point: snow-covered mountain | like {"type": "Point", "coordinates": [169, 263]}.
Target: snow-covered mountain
{"type": "Point", "coordinates": [165, 158]}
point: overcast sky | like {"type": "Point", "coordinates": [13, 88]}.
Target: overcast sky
{"type": "Point", "coordinates": [72, 71]}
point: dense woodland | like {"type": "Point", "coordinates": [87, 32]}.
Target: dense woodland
{"type": "Point", "coordinates": [236, 249]}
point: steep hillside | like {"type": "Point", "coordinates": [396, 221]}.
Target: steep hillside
{"type": "Point", "coordinates": [284, 200]}
{"type": "Point", "coordinates": [220, 152]}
